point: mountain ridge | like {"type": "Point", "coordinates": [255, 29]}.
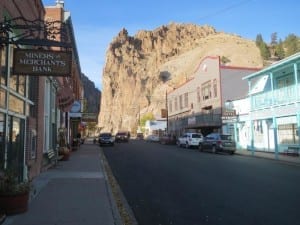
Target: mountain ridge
{"type": "Point", "coordinates": [140, 69]}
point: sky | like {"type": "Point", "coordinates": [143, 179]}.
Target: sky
{"type": "Point", "coordinates": [97, 22]}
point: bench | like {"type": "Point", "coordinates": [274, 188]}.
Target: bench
{"type": "Point", "coordinates": [292, 150]}
{"type": "Point", "coordinates": [52, 155]}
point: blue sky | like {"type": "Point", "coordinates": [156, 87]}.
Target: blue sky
{"type": "Point", "coordinates": [97, 22]}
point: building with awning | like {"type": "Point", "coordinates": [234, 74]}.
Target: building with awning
{"type": "Point", "coordinates": [273, 120]}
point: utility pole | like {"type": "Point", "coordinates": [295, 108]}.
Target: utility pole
{"type": "Point", "coordinates": [167, 114]}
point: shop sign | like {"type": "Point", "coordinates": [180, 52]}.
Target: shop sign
{"type": "Point", "coordinates": [64, 99]}
{"type": "Point", "coordinates": [36, 62]}
{"type": "Point", "coordinates": [229, 116]}
{"type": "Point", "coordinates": [75, 115]}
{"type": "Point", "coordinates": [89, 117]}
{"type": "Point", "coordinates": [76, 107]}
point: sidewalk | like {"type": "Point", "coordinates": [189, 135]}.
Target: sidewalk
{"type": "Point", "coordinates": [75, 192]}
{"type": "Point", "coordinates": [295, 160]}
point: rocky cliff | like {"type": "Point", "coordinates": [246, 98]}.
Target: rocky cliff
{"type": "Point", "coordinates": [140, 69]}
{"type": "Point", "coordinates": [92, 95]}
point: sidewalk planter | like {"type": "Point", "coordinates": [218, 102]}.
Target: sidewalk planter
{"type": "Point", "coordinates": [14, 195]}
{"type": "Point", "coordinates": [65, 153]}
{"type": "Point", "coordinates": [14, 204]}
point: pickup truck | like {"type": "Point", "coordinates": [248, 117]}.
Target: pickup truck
{"type": "Point", "coordinates": [190, 140]}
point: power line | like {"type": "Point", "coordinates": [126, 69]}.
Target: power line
{"type": "Point", "coordinates": [228, 8]}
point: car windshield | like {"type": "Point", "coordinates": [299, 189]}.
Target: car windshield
{"type": "Point", "coordinates": [196, 136]}
{"type": "Point", "coordinates": [105, 135]}
{"type": "Point", "coordinates": [226, 137]}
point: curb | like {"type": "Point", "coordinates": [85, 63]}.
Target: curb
{"type": "Point", "coordinates": [2, 218]}
{"type": "Point", "coordinates": [120, 207]}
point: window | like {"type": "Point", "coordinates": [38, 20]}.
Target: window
{"type": "Point", "coordinates": [170, 106]}
{"type": "Point", "coordinates": [285, 81]}
{"type": "Point", "coordinates": [287, 134]}
{"type": "Point", "coordinates": [16, 105]}
{"type": "Point", "coordinates": [46, 115]}
{"type": "Point", "coordinates": [176, 104]}
{"type": "Point", "coordinates": [215, 88]}
{"type": "Point", "coordinates": [186, 100]}
{"type": "Point", "coordinates": [2, 98]}
{"type": "Point", "coordinates": [180, 102]}
{"type": "Point", "coordinates": [2, 66]}
{"type": "Point", "coordinates": [198, 94]}
{"type": "Point", "coordinates": [2, 138]}
{"type": "Point", "coordinates": [206, 90]}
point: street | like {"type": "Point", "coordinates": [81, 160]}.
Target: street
{"type": "Point", "coordinates": [165, 184]}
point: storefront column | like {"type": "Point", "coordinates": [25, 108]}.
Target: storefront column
{"type": "Point", "coordinates": [275, 137]}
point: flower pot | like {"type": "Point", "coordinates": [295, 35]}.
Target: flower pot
{"type": "Point", "coordinates": [13, 204]}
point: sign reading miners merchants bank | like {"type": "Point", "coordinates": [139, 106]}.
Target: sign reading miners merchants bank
{"type": "Point", "coordinates": [42, 62]}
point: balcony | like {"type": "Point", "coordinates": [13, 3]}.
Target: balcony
{"type": "Point", "coordinates": [282, 96]}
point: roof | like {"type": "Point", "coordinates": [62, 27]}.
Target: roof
{"type": "Point", "coordinates": [281, 63]}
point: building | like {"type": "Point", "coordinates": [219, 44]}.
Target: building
{"type": "Point", "coordinates": [272, 122]}
{"type": "Point", "coordinates": [30, 115]}
{"type": "Point", "coordinates": [71, 115]}
{"type": "Point", "coordinates": [155, 127]}
{"type": "Point", "coordinates": [199, 103]}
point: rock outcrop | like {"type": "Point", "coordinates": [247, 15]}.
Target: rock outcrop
{"type": "Point", "coordinates": [92, 95]}
{"type": "Point", "coordinates": [140, 69]}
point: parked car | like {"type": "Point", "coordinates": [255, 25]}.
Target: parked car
{"type": "Point", "coordinates": [190, 140]}
{"type": "Point", "coordinates": [122, 136]}
{"type": "Point", "coordinates": [217, 142]}
{"type": "Point", "coordinates": [106, 139]}
{"type": "Point", "coordinates": [167, 140]}
{"type": "Point", "coordinates": [152, 138]}
{"type": "Point", "coordinates": [140, 136]}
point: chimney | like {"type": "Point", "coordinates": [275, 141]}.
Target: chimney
{"type": "Point", "coordinates": [60, 3]}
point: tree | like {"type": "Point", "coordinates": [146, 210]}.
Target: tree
{"type": "Point", "coordinates": [279, 50]}
{"type": "Point", "coordinates": [147, 116]}
{"type": "Point", "coordinates": [259, 40]}
{"type": "Point", "coordinates": [291, 44]}
{"type": "Point", "coordinates": [274, 39]}
{"type": "Point", "coordinates": [225, 60]}
{"type": "Point", "coordinates": [263, 47]}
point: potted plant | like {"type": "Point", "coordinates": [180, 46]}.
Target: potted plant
{"type": "Point", "coordinates": [14, 195]}
{"type": "Point", "coordinates": [63, 148]}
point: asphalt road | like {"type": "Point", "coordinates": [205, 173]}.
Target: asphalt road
{"type": "Point", "coordinates": [166, 184]}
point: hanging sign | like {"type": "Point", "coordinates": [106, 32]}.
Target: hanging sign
{"type": "Point", "coordinates": [36, 62]}
{"type": "Point", "coordinates": [64, 99]}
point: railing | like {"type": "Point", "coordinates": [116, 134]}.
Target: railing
{"type": "Point", "coordinates": [286, 95]}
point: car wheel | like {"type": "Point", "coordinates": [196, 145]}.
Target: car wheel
{"type": "Point", "coordinates": [214, 149]}
{"type": "Point", "coordinates": [200, 148]}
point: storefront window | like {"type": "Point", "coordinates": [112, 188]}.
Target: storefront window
{"type": "Point", "coordinates": [2, 98]}
{"type": "Point", "coordinates": [13, 82]}
{"type": "Point", "coordinates": [2, 66]}
{"type": "Point", "coordinates": [15, 153]}
{"type": "Point", "coordinates": [16, 104]}
{"type": "Point", "coordinates": [21, 87]}
{"type": "Point", "coordinates": [2, 140]}
{"type": "Point", "coordinates": [287, 134]}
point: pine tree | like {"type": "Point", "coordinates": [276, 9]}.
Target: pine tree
{"type": "Point", "coordinates": [259, 40]}
{"type": "Point", "coordinates": [263, 47]}
{"type": "Point", "coordinates": [291, 44]}
{"type": "Point", "coordinates": [279, 50]}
